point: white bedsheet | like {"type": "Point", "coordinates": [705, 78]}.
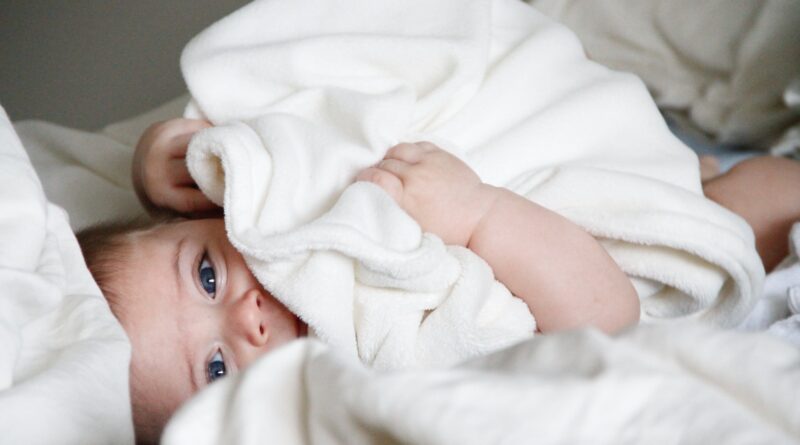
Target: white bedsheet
{"type": "Point", "coordinates": [305, 95]}
{"type": "Point", "coordinates": [87, 174]}
{"type": "Point", "coordinates": [64, 368]}
{"type": "Point", "coordinates": [725, 65]}
{"type": "Point", "coordinates": [658, 384]}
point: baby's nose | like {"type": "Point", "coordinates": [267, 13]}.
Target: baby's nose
{"type": "Point", "coordinates": [248, 320]}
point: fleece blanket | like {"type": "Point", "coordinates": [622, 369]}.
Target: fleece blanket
{"type": "Point", "coordinates": [306, 93]}
{"type": "Point", "coordinates": [656, 384]}
{"type": "Point", "coordinates": [64, 368]}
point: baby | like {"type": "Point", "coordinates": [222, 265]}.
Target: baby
{"type": "Point", "coordinates": [194, 312]}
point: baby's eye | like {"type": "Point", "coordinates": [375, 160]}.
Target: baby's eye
{"type": "Point", "coordinates": [208, 278]}
{"type": "Point", "coordinates": [216, 367]}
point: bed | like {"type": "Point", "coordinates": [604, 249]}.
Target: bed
{"type": "Point", "coordinates": [679, 381]}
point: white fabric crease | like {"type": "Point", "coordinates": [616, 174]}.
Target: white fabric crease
{"type": "Point", "coordinates": [64, 368]}
{"type": "Point", "coordinates": [653, 384]}
{"type": "Point", "coordinates": [724, 66]}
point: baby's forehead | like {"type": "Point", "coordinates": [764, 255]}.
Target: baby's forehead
{"type": "Point", "coordinates": [147, 246]}
{"type": "Point", "coordinates": [157, 386]}
{"type": "Point", "coordinates": [144, 296]}
{"type": "Point", "coordinates": [161, 229]}
{"type": "Point", "coordinates": [144, 283]}
{"type": "Point", "coordinates": [166, 235]}
{"type": "Point", "coordinates": [181, 227]}
{"type": "Point", "coordinates": [150, 312]}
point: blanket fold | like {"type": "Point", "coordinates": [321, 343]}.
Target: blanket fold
{"type": "Point", "coordinates": [305, 94]}
{"type": "Point", "coordinates": [651, 384]}
{"type": "Point", "coordinates": [64, 373]}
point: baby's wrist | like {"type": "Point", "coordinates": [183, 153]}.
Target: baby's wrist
{"type": "Point", "coordinates": [486, 200]}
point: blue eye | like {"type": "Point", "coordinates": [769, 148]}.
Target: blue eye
{"type": "Point", "coordinates": [208, 278]}
{"type": "Point", "coordinates": [216, 367]}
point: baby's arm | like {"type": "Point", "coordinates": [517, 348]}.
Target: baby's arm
{"type": "Point", "coordinates": [563, 274]}
{"type": "Point", "coordinates": [159, 172]}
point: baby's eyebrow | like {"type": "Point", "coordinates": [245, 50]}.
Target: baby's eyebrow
{"type": "Point", "coordinates": [188, 356]}
{"type": "Point", "coordinates": [176, 263]}
{"type": "Point", "coordinates": [192, 375]}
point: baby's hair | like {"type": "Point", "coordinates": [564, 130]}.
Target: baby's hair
{"type": "Point", "coordinates": [106, 248]}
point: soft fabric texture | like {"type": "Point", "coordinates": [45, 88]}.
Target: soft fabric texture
{"type": "Point", "coordinates": [663, 384]}
{"type": "Point", "coordinates": [725, 65]}
{"type": "Point", "coordinates": [789, 327]}
{"type": "Point", "coordinates": [97, 164]}
{"type": "Point", "coordinates": [87, 174]}
{"type": "Point", "coordinates": [778, 311]}
{"type": "Point", "coordinates": [307, 93]}
{"type": "Point", "coordinates": [64, 372]}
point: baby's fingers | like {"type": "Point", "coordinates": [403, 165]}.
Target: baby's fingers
{"type": "Point", "coordinates": [185, 129]}
{"type": "Point", "coordinates": [189, 200]}
{"type": "Point", "coordinates": [394, 166]}
{"type": "Point", "coordinates": [179, 145]}
{"type": "Point", "coordinates": [179, 173]}
{"type": "Point", "coordinates": [390, 183]}
{"type": "Point", "coordinates": [409, 152]}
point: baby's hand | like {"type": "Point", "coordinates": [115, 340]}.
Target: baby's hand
{"type": "Point", "coordinates": [436, 188]}
{"type": "Point", "coordinates": [159, 171]}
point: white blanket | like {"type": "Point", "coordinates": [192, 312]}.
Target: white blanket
{"type": "Point", "coordinates": [723, 65]}
{"type": "Point", "coordinates": [98, 165]}
{"type": "Point", "coordinates": [778, 310]}
{"type": "Point", "coordinates": [664, 384]}
{"type": "Point", "coordinates": [64, 367]}
{"type": "Point", "coordinates": [306, 93]}
{"type": "Point", "coordinates": [86, 174]}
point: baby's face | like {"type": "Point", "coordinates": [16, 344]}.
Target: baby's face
{"type": "Point", "coordinates": [194, 312]}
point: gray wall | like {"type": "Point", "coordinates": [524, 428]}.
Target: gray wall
{"type": "Point", "coordinates": [86, 63]}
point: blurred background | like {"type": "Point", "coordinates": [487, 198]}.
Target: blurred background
{"type": "Point", "coordinates": [85, 63]}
